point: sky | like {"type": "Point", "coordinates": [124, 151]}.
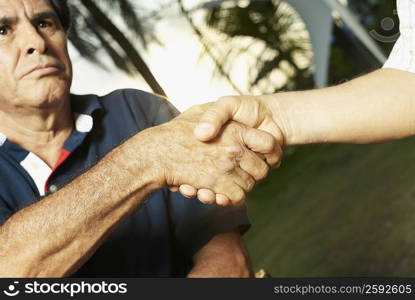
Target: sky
{"type": "Point", "coordinates": [177, 66]}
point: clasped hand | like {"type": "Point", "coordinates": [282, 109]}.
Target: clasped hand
{"type": "Point", "coordinates": [223, 169]}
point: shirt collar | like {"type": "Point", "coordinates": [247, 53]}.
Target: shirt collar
{"type": "Point", "coordinates": [85, 104]}
{"type": "Point", "coordinates": [83, 108]}
{"type": "Point", "coordinates": [3, 139]}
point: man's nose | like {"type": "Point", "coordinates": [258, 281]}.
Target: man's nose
{"type": "Point", "coordinates": [32, 41]}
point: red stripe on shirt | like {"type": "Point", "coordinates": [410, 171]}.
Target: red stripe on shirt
{"type": "Point", "coordinates": [62, 157]}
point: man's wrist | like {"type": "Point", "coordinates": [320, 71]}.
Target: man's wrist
{"type": "Point", "coordinates": [277, 106]}
{"type": "Point", "coordinates": [138, 159]}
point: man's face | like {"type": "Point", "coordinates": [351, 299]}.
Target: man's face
{"type": "Point", "coordinates": [35, 69]}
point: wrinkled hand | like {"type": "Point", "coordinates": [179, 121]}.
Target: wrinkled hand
{"type": "Point", "coordinates": [248, 110]}
{"type": "Point", "coordinates": [227, 165]}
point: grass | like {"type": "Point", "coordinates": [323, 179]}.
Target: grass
{"type": "Point", "coordinates": [337, 210]}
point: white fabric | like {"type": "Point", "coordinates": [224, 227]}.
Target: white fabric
{"type": "Point", "coordinates": [83, 123]}
{"type": "Point", "coordinates": [402, 56]}
{"type": "Point", "coordinates": [38, 170]}
{"type": "Point", "coordinates": [3, 139]}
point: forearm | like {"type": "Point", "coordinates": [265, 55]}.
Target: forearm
{"type": "Point", "coordinates": [224, 256]}
{"type": "Point", "coordinates": [55, 236]}
{"type": "Point", "coordinates": [373, 108]}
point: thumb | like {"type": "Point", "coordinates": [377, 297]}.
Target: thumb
{"type": "Point", "coordinates": [217, 114]}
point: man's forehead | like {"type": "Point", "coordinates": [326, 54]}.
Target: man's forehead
{"type": "Point", "coordinates": [14, 8]}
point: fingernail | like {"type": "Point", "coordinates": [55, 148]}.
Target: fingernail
{"type": "Point", "coordinates": [204, 129]}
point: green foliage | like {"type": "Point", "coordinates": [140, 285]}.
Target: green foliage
{"type": "Point", "coordinates": [278, 29]}
{"type": "Point", "coordinates": [271, 38]}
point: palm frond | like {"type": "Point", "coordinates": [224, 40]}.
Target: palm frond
{"type": "Point", "coordinates": [272, 24]}
{"type": "Point", "coordinates": [94, 30]}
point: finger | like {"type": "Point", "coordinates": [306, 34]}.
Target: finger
{"type": "Point", "coordinates": [173, 189]}
{"type": "Point", "coordinates": [238, 197]}
{"type": "Point", "coordinates": [274, 159]}
{"type": "Point", "coordinates": [188, 191]}
{"type": "Point", "coordinates": [235, 194]}
{"type": "Point", "coordinates": [254, 165]}
{"type": "Point", "coordinates": [218, 114]}
{"type": "Point", "coordinates": [222, 200]}
{"type": "Point", "coordinates": [259, 141]}
{"type": "Point", "coordinates": [206, 196]}
{"type": "Point", "coordinates": [244, 180]}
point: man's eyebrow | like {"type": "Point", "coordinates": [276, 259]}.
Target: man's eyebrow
{"type": "Point", "coordinates": [7, 20]}
{"type": "Point", "coordinates": [35, 17]}
{"type": "Point", "coordinates": [45, 15]}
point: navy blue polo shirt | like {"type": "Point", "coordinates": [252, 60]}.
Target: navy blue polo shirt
{"type": "Point", "coordinates": [161, 237]}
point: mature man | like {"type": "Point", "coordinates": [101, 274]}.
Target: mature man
{"type": "Point", "coordinates": [95, 160]}
{"type": "Point", "coordinates": [374, 108]}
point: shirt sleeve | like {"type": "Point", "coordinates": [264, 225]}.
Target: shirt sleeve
{"type": "Point", "coordinates": [402, 56]}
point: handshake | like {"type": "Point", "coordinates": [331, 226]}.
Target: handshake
{"type": "Point", "coordinates": [218, 151]}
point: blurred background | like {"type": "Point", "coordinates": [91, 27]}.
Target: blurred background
{"type": "Point", "coordinates": [330, 210]}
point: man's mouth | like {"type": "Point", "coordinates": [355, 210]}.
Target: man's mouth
{"type": "Point", "coordinates": [43, 70]}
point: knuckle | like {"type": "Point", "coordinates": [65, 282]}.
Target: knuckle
{"type": "Point", "coordinates": [227, 166]}
{"type": "Point", "coordinates": [233, 129]}
{"type": "Point", "coordinates": [263, 170]}
{"type": "Point", "coordinates": [269, 143]}
{"type": "Point", "coordinates": [234, 151]}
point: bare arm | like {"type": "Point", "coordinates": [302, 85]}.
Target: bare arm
{"type": "Point", "coordinates": [56, 235]}
{"type": "Point", "coordinates": [373, 108]}
{"type": "Point", "coordinates": [53, 237]}
{"type": "Point", "coordinates": [224, 256]}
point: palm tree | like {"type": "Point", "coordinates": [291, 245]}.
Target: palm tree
{"type": "Point", "coordinates": [93, 30]}
{"type": "Point", "coordinates": [268, 35]}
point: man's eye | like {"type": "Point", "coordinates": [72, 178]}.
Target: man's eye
{"type": "Point", "coordinates": [44, 24]}
{"type": "Point", "coordinates": [4, 30]}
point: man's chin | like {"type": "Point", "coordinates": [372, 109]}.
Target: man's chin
{"type": "Point", "coordinates": [47, 97]}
